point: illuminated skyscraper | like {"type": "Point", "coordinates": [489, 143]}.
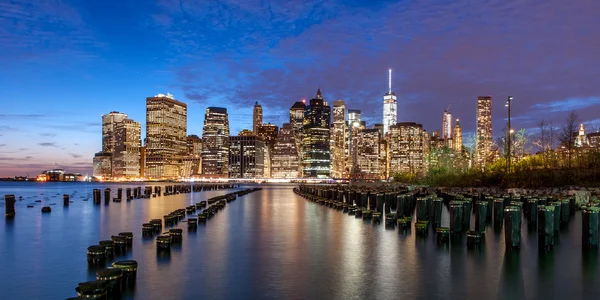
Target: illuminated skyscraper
{"type": "Point", "coordinates": [457, 138]}
{"type": "Point", "coordinates": [297, 121]}
{"type": "Point", "coordinates": [483, 138]}
{"type": "Point", "coordinates": [406, 148]}
{"type": "Point", "coordinates": [215, 146]}
{"type": "Point", "coordinates": [390, 116]}
{"type": "Point", "coordinates": [109, 122]}
{"type": "Point", "coordinates": [166, 132]}
{"type": "Point", "coordinates": [246, 157]}
{"type": "Point", "coordinates": [354, 124]}
{"type": "Point", "coordinates": [284, 158]}
{"type": "Point", "coordinates": [447, 128]}
{"type": "Point", "coordinates": [368, 152]}
{"type": "Point", "coordinates": [581, 139]}
{"type": "Point", "coordinates": [339, 140]}
{"type": "Point", "coordinates": [102, 165]}
{"type": "Point", "coordinates": [257, 117]}
{"type": "Point", "coordinates": [192, 161]}
{"type": "Point", "coordinates": [316, 160]}
{"type": "Point", "coordinates": [126, 157]}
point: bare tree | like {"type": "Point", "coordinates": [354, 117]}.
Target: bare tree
{"type": "Point", "coordinates": [520, 144]}
{"type": "Point", "coordinates": [567, 135]}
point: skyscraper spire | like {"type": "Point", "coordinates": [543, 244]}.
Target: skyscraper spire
{"type": "Point", "coordinates": [319, 96]}
{"type": "Point", "coordinates": [390, 116]}
{"type": "Point", "coordinates": [390, 81]}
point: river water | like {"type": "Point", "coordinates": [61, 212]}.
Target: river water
{"type": "Point", "coordinates": [273, 244]}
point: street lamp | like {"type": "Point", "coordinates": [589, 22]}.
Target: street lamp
{"type": "Point", "coordinates": [509, 131]}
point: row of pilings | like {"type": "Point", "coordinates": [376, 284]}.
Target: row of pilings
{"type": "Point", "coordinates": [399, 207]}
{"type": "Point", "coordinates": [112, 282]}
{"type": "Point", "coordinates": [130, 193]}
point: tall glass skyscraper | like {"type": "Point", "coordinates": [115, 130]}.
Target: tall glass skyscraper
{"type": "Point", "coordinates": [166, 133]}
{"type": "Point", "coordinates": [316, 160]}
{"type": "Point", "coordinates": [483, 138]}
{"type": "Point", "coordinates": [215, 147]}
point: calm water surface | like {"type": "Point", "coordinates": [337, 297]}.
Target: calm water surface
{"type": "Point", "coordinates": [273, 244]}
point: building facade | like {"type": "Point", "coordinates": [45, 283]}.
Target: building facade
{"type": "Point", "coordinates": [369, 158]}
{"type": "Point", "coordinates": [126, 155]}
{"type": "Point", "coordinates": [297, 121]}
{"type": "Point", "coordinates": [166, 132]}
{"type": "Point", "coordinates": [457, 143]}
{"type": "Point", "coordinates": [192, 161]}
{"type": "Point", "coordinates": [447, 129]}
{"type": "Point", "coordinates": [406, 148]}
{"type": "Point", "coordinates": [246, 157]}
{"type": "Point", "coordinates": [390, 106]}
{"type": "Point", "coordinates": [284, 158]}
{"type": "Point", "coordinates": [339, 140]}
{"type": "Point", "coordinates": [102, 165]}
{"type": "Point", "coordinates": [215, 147]}
{"type": "Point", "coordinates": [268, 132]}
{"type": "Point", "coordinates": [109, 123]}
{"type": "Point", "coordinates": [484, 138]}
{"type": "Point", "coordinates": [316, 160]}
{"type": "Point", "coordinates": [257, 117]}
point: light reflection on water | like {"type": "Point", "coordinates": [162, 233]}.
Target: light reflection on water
{"type": "Point", "coordinates": [272, 244]}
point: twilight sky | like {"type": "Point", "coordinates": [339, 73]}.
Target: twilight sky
{"type": "Point", "coordinates": [65, 63]}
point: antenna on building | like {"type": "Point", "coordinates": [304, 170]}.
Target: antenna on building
{"type": "Point", "coordinates": [390, 81]}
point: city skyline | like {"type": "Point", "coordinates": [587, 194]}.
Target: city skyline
{"type": "Point", "coordinates": [53, 116]}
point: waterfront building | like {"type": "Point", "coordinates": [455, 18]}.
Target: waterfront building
{"type": "Point", "coordinates": [316, 160]}
{"type": "Point", "coordinates": [126, 155]}
{"type": "Point", "coordinates": [457, 138]}
{"type": "Point", "coordinates": [215, 147]}
{"type": "Point", "coordinates": [484, 138]}
{"type": "Point", "coordinates": [166, 132]}
{"type": "Point", "coordinates": [109, 123]}
{"type": "Point", "coordinates": [389, 107]}
{"type": "Point", "coordinates": [339, 140]}
{"type": "Point", "coordinates": [284, 158]}
{"type": "Point", "coordinates": [267, 162]}
{"type": "Point", "coordinates": [246, 157]}
{"type": "Point", "coordinates": [406, 148]}
{"type": "Point", "coordinates": [354, 124]}
{"type": "Point", "coordinates": [368, 154]}
{"type": "Point", "coordinates": [297, 121]}
{"type": "Point", "coordinates": [192, 161]}
{"type": "Point", "coordinates": [143, 161]}
{"type": "Point", "coordinates": [257, 117]}
{"type": "Point", "coordinates": [102, 165]}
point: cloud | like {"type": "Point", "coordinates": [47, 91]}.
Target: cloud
{"type": "Point", "coordinates": [568, 104]}
{"type": "Point", "coordinates": [2, 145]}
{"type": "Point", "coordinates": [73, 155]}
{"type": "Point", "coordinates": [37, 30]}
{"type": "Point", "coordinates": [4, 128]}
{"type": "Point", "coordinates": [16, 158]}
{"type": "Point", "coordinates": [77, 126]}
{"type": "Point", "coordinates": [47, 144]}
{"type": "Point", "coordinates": [22, 116]}
{"type": "Point", "coordinates": [45, 134]}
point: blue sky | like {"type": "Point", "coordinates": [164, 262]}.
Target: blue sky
{"type": "Point", "coordinates": [65, 63]}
